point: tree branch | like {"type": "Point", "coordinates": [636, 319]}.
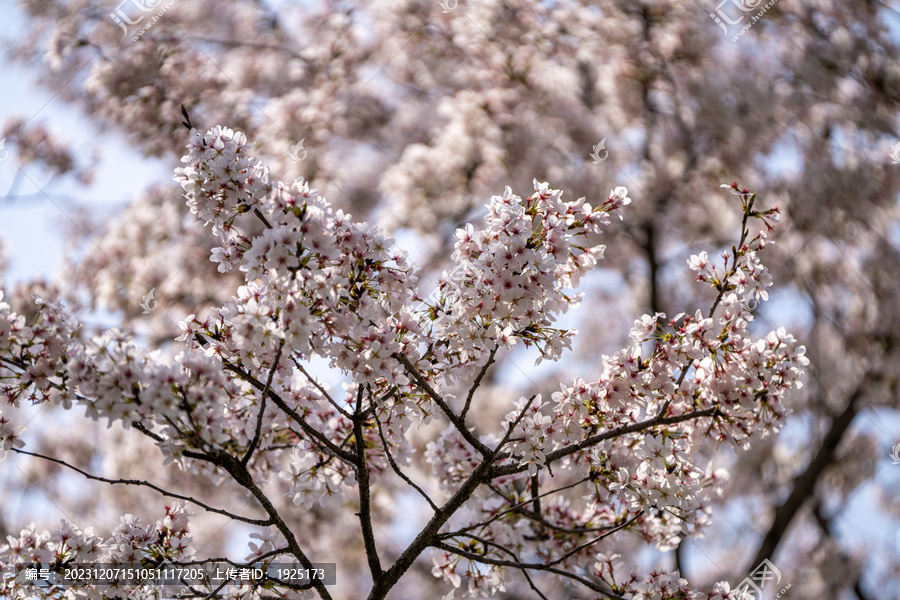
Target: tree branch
{"type": "Point", "coordinates": [365, 499]}
{"type": "Point", "coordinates": [805, 484]}
{"type": "Point", "coordinates": [426, 537]}
{"type": "Point", "coordinates": [297, 417]}
{"type": "Point", "coordinates": [321, 389]}
{"type": "Point", "coordinates": [401, 474]}
{"type": "Point", "coordinates": [457, 421]}
{"type": "Point", "coordinates": [262, 406]}
{"type": "Point", "coordinates": [526, 566]}
{"type": "Point", "coordinates": [600, 437]}
{"type": "Point", "coordinates": [141, 483]}
{"type": "Point", "coordinates": [241, 475]}
{"type": "Point", "coordinates": [513, 508]}
{"type": "Point", "coordinates": [477, 383]}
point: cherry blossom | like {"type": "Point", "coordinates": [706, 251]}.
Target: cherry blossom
{"type": "Point", "coordinates": [319, 285]}
{"type": "Point", "coordinates": [464, 103]}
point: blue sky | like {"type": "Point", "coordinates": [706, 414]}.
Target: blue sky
{"type": "Point", "coordinates": [32, 227]}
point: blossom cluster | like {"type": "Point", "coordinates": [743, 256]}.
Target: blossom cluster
{"type": "Point", "coordinates": [316, 281]}
{"type": "Point", "coordinates": [517, 270]}
{"type": "Point", "coordinates": [131, 542]}
{"type": "Point", "coordinates": [326, 286]}
{"type": "Point", "coordinates": [185, 405]}
{"type": "Point", "coordinates": [10, 436]}
{"type": "Point", "coordinates": [318, 285]}
{"type": "Point", "coordinates": [690, 379]}
{"type": "Point", "coordinates": [453, 114]}
{"type": "Point", "coordinates": [36, 348]}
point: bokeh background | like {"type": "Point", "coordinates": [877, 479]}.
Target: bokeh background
{"type": "Point", "coordinates": [412, 114]}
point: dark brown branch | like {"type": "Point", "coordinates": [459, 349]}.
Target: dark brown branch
{"type": "Point", "coordinates": [477, 383]}
{"type": "Point", "coordinates": [512, 427]}
{"type": "Point", "coordinates": [532, 567]}
{"type": "Point", "coordinates": [536, 499]}
{"type": "Point", "coordinates": [365, 498]}
{"type": "Point", "coordinates": [503, 513]}
{"type": "Point", "coordinates": [297, 417]}
{"type": "Point", "coordinates": [600, 437]}
{"type": "Point", "coordinates": [679, 558]}
{"type": "Point", "coordinates": [141, 483]}
{"type": "Point", "coordinates": [534, 587]}
{"type": "Point", "coordinates": [805, 484]}
{"type": "Point", "coordinates": [262, 218]}
{"type": "Point", "coordinates": [600, 537]}
{"type": "Point", "coordinates": [321, 389]}
{"type": "Point", "coordinates": [262, 406]}
{"type": "Point", "coordinates": [401, 474]}
{"type": "Point", "coordinates": [448, 412]}
{"type": "Point", "coordinates": [427, 536]}
{"type": "Point", "coordinates": [649, 245]}
{"type": "Point", "coordinates": [537, 517]}
{"type": "Point", "coordinates": [269, 554]}
{"type": "Point", "coordinates": [724, 285]}
{"type": "Point", "coordinates": [240, 474]}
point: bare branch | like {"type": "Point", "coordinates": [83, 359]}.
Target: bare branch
{"type": "Point", "coordinates": [242, 476]}
{"type": "Point", "coordinates": [477, 383]}
{"type": "Point", "coordinates": [365, 499]}
{"type": "Point", "coordinates": [141, 483]}
{"type": "Point", "coordinates": [322, 391]}
{"type": "Point", "coordinates": [529, 566]}
{"type": "Point", "coordinates": [600, 437]}
{"type": "Point", "coordinates": [456, 420]}
{"type": "Point", "coordinates": [507, 511]}
{"type": "Point", "coordinates": [297, 417]}
{"type": "Point", "coordinates": [396, 468]}
{"type": "Point", "coordinates": [262, 406]}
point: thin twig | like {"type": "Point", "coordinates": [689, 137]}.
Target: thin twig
{"type": "Point", "coordinates": [297, 417]}
{"type": "Point", "coordinates": [141, 483]}
{"type": "Point", "coordinates": [442, 404]}
{"type": "Point", "coordinates": [262, 406]}
{"type": "Point", "coordinates": [396, 468]}
{"type": "Point", "coordinates": [513, 508]}
{"type": "Point", "coordinates": [529, 566]}
{"type": "Point", "coordinates": [321, 389]}
{"type": "Point", "coordinates": [477, 383]}
{"type": "Point", "coordinates": [600, 437]}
